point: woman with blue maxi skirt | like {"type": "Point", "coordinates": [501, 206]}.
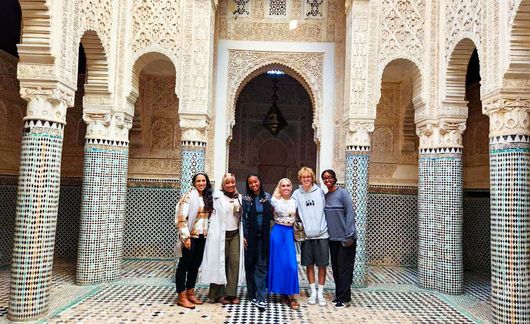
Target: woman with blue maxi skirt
{"type": "Point", "coordinates": [283, 270]}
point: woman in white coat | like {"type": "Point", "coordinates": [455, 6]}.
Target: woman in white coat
{"type": "Point", "coordinates": [223, 264]}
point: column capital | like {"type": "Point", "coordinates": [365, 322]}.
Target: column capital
{"type": "Point", "coordinates": [445, 134]}
{"type": "Point", "coordinates": [47, 103]}
{"type": "Point", "coordinates": [194, 128]}
{"type": "Point", "coordinates": [108, 125]}
{"type": "Point", "coordinates": [508, 113]}
{"type": "Point", "coordinates": [358, 134]}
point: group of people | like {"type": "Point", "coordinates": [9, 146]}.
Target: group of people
{"type": "Point", "coordinates": [232, 237]}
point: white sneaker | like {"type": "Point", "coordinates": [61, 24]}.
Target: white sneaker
{"type": "Point", "coordinates": [312, 299]}
{"type": "Point", "coordinates": [321, 300]}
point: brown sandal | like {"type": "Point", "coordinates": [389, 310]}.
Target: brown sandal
{"type": "Point", "coordinates": [294, 304]}
{"type": "Point", "coordinates": [235, 301]}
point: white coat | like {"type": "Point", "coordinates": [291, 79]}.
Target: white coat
{"type": "Point", "coordinates": [213, 262]}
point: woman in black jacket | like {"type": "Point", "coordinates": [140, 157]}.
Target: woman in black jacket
{"type": "Point", "coordinates": [257, 214]}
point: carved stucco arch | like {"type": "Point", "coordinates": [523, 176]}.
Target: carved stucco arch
{"type": "Point", "coordinates": [36, 39]}
{"type": "Point", "coordinates": [417, 81]}
{"type": "Point", "coordinates": [140, 61]}
{"type": "Point", "coordinates": [306, 68]}
{"type": "Point", "coordinates": [97, 80]}
{"type": "Point", "coordinates": [455, 76]}
{"type": "Point", "coordinates": [519, 59]}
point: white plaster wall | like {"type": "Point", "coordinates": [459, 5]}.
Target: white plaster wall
{"type": "Point", "coordinates": [325, 150]}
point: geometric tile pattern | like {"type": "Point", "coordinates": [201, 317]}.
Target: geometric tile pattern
{"type": "Point", "coordinates": [150, 230]}
{"type": "Point", "coordinates": [510, 231]}
{"type": "Point", "coordinates": [426, 226]}
{"type": "Point", "coordinates": [192, 162]}
{"type": "Point", "coordinates": [356, 183]}
{"type": "Point", "coordinates": [8, 207]}
{"type": "Point", "coordinates": [102, 213]}
{"type": "Point", "coordinates": [449, 219]}
{"type": "Point", "coordinates": [146, 294]}
{"type": "Point", "coordinates": [440, 201]}
{"type": "Point", "coordinates": [392, 229]}
{"type": "Point", "coordinates": [36, 218]}
{"type": "Point", "coordinates": [68, 217]}
{"type": "Point", "coordinates": [477, 242]}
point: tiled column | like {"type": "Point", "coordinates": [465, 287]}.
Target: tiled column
{"type": "Point", "coordinates": [37, 202]}
{"type": "Point", "coordinates": [510, 208]}
{"type": "Point", "coordinates": [104, 198]}
{"type": "Point", "coordinates": [426, 224]}
{"type": "Point", "coordinates": [356, 182]}
{"type": "Point", "coordinates": [440, 209]}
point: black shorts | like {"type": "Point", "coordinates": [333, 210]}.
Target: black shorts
{"type": "Point", "coordinates": [315, 252]}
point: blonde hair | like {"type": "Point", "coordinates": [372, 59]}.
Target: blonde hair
{"type": "Point", "coordinates": [277, 194]}
{"type": "Point", "coordinates": [304, 171]}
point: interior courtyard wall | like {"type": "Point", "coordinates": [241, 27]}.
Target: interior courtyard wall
{"type": "Point", "coordinates": [322, 35]}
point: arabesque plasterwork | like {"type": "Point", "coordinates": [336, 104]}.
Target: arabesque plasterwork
{"type": "Point", "coordinates": [260, 26]}
{"type": "Point", "coordinates": [509, 114]}
{"type": "Point", "coordinates": [445, 133]}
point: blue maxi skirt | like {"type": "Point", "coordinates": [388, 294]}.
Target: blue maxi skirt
{"type": "Point", "coordinates": [283, 270]}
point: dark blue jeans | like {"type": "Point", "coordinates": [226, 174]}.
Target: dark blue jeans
{"type": "Point", "coordinates": [256, 274]}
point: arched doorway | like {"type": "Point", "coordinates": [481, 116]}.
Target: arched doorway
{"type": "Point", "coordinates": [475, 160]}
{"type": "Point", "coordinates": [392, 220]}
{"type": "Point", "coordinates": [254, 148]}
{"type": "Point", "coordinates": [154, 153]}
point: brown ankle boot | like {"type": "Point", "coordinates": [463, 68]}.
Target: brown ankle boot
{"type": "Point", "coordinates": [183, 301]}
{"type": "Point", "coordinates": [190, 294]}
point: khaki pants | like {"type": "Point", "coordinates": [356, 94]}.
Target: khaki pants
{"type": "Point", "coordinates": [231, 268]}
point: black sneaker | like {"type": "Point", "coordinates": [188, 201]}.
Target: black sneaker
{"type": "Point", "coordinates": [262, 305]}
{"type": "Point", "coordinates": [254, 302]}
{"type": "Point", "coordinates": [340, 304]}
{"type": "Point", "coordinates": [334, 301]}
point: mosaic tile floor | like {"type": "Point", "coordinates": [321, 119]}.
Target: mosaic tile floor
{"type": "Point", "coordinates": [146, 293]}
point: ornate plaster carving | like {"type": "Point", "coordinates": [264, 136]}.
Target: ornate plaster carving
{"type": "Point", "coordinates": [96, 15]}
{"type": "Point", "coordinates": [107, 125]}
{"type": "Point", "coordinates": [356, 79]}
{"type": "Point", "coordinates": [196, 85]}
{"type": "Point", "coordinates": [317, 22]}
{"type": "Point", "coordinates": [359, 132]}
{"type": "Point", "coordinates": [443, 133]}
{"type": "Point", "coordinates": [47, 104]}
{"type": "Point", "coordinates": [509, 115]}
{"type": "Point", "coordinates": [243, 65]}
{"type": "Point", "coordinates": [194, 129]}
{"type": "Point", "coordinates": [157, 22]}
{"type": "Point", "coordinates": [463, 20]}
{"type": "Point", "coordinates": [402, 29]}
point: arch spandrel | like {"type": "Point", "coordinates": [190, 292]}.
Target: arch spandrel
{"type": "Point", "coordinates": [306, 68]}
